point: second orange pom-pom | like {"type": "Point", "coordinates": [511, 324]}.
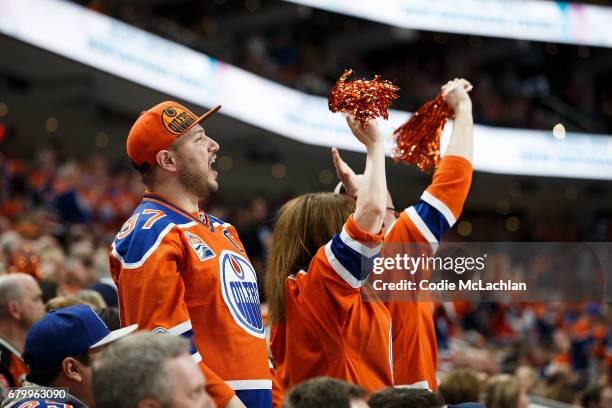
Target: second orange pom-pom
{"type": "Point", "coordinates": [418, 140]}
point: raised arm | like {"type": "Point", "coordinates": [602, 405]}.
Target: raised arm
{"type": "Point", "coordinates": [455, 94]}
{"type": "Point", "coordinates": [372, 195]}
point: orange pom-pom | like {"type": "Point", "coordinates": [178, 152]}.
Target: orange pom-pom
{"type": "Point", "coordinates": [417, 141]}
{"type": "Point", "coordinates": [364, 99]}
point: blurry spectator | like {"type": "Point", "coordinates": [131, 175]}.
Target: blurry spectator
{"type": "Point", "coordinates": [597, 397]}
{"type": "Point", "coordinates": [49, 289]}
{"type": "Point", "coordinates": [20, 307]}
{"type": "Point", "coordinates": [505, 391]}
{"type": "Point", "coordinates": [107, 290]}
{"type": "Point", "coordinates": [325, 392]}
{"type": "Point", "coordinates": [559, 387]}
{"type": "Point", "coordinates": [92, 297]}
{"type": "Point", "coordinates": [592, 397]}
{"type": "Point", "coordinates": [60, 350]}
{"type": "Point", "coordinates": [149, 370]}
{"type": "Point", "coordinates": [527, 376]}
{"type": "Point", "coordinates": [110, 315]}
{"type": "Point", "coordinates": [61, 302]}
{"type": "Point", "coordinates": [605, 397]}
{"type": "Point", "coordinates": [256, 236]}
{"type": "Point", "coordinates": [76, 275]}
{"type": "Point", "coordinates": [460, 385]}
{"type": "Point", "coordinates": [405, 398]}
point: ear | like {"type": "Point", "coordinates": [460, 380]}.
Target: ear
{"type": "Point", "coordinates": [149, 403]}
{"type": "Point", "coordinates": [166, 160]}
{"type": "Point", "coordinates": [71, 369]}
{"type": "Point", "coordinates": [14, 310]}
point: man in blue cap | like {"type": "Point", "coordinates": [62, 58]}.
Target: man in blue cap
{"type": "Point", "coordinates": [60, 350]}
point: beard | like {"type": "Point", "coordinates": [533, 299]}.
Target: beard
{"type": "Point", "coordinates": [196, 180]}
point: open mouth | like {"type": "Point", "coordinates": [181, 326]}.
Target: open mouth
{"type": "Point", "coordinates": [210, 166]}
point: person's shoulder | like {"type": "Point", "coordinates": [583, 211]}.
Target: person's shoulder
{"type": "Point", "coordinates": [150, 224]}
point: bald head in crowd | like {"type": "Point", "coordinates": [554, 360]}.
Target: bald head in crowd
{"type": "Point", "coordinates": [21, 306]}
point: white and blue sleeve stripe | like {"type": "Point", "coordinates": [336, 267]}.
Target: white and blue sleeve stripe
{"type": "Point", "coordinates": [350, 259]}
{"type": "Point", "coordinates": [185, 330]}
{"type": "Point", "coordinates": [431, 217]}
{"type": "Point", "coordinates": [440, 206]}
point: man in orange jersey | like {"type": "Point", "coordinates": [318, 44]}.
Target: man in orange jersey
{"type": "Point", "coordinates": [414, 340]}
{"type": "Point", "coordinates": [20, 307]}
{"type": "Point", "coordinates": [182, 271]}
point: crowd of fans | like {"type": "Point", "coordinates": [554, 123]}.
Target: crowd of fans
{"type": "Point", "coordinates": [59, 216]}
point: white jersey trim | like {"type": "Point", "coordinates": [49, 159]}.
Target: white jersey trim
{"type": "Point", "coordinates": [188, 225]}
{"type": "Point", "coordinates": [238, 385]}
{"type": "Point", "coordinates": [135, 265]}
{"type": "Point", "coordinates": [196, 357]}
{"type": "Point", "coordinates": [302, 272]}
{"type": "Point", "coordinates": [359, 246]}
{"type": "Point", "coordinates": [340, 269]}
{"type": "Point", "coordinates": [160, 237]}
{"type": "Point", "coordinates": [419, 385]}
{"type": "Point", "coordinates": [422, 227]}
{"type": "Point", "coordinates": [180, 328]}
{"type": "Point", "coordinates": [440, 206]}
{"type": "Point", "coordinates": [391, 226]}
{"type": "Point", "coordinates": [12, 349]}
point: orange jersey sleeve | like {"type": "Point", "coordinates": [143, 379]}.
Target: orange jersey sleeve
{"type": "Point", "coordinates": [439, 207]}
{"type": "Point", "coordinates": [414, 339]}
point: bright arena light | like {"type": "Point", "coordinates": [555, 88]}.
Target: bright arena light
{"type": "Point", "coordinates": [559, 131]}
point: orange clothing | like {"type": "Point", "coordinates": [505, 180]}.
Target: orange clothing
{"type": "Point", "coordinates": [414, 341]}
{"type": "Point", "coordinates": [328, 329]}
{"type": "Point", "coordinates": [278, 392]}
{"type": "Point", "coordinates": [188, 274]}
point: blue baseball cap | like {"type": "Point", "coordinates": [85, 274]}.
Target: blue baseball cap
{"type": "Point", "coordinates": [67, 332]}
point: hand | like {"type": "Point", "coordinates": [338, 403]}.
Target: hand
{"type": "Point", "coordinates": [347, 176]}
{"type": "Point", "coordinates": [455, 93]}
{"type": "Point", "coordinates": [370, 136]}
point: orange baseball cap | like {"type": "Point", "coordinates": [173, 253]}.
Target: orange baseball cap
{"type": "Point", "coordinates": [156, 129]}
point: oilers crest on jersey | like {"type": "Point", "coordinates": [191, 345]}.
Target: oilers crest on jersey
{"type": "Point", "coordinates": [240, 293]}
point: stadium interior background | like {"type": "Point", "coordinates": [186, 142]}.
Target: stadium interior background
{"type": "Point", "coordinates": [67, 179]}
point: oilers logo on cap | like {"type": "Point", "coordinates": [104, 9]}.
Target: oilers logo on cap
{"type": "Point", "coordinates": [239, 290]}
{"type": "Point", "coordinates": [176, 119]}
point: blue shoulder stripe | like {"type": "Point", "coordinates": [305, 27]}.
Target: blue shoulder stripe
{"type": "Point", "coordinates": [143, 232]}
{"type": "Point", "coordinates": [434, 219]}
{"type": "Point", "coordinates": [352, 265]}
{"type": "Point", "coordinates": [255, 398]}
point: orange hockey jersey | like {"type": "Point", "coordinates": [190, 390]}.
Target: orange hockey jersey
{"type": "Point", "coordinates": [188, 274]}
{"type": "Point", "coordinates": [414, 340]}
{"type": "Point", "coordinates": [328, 329]}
